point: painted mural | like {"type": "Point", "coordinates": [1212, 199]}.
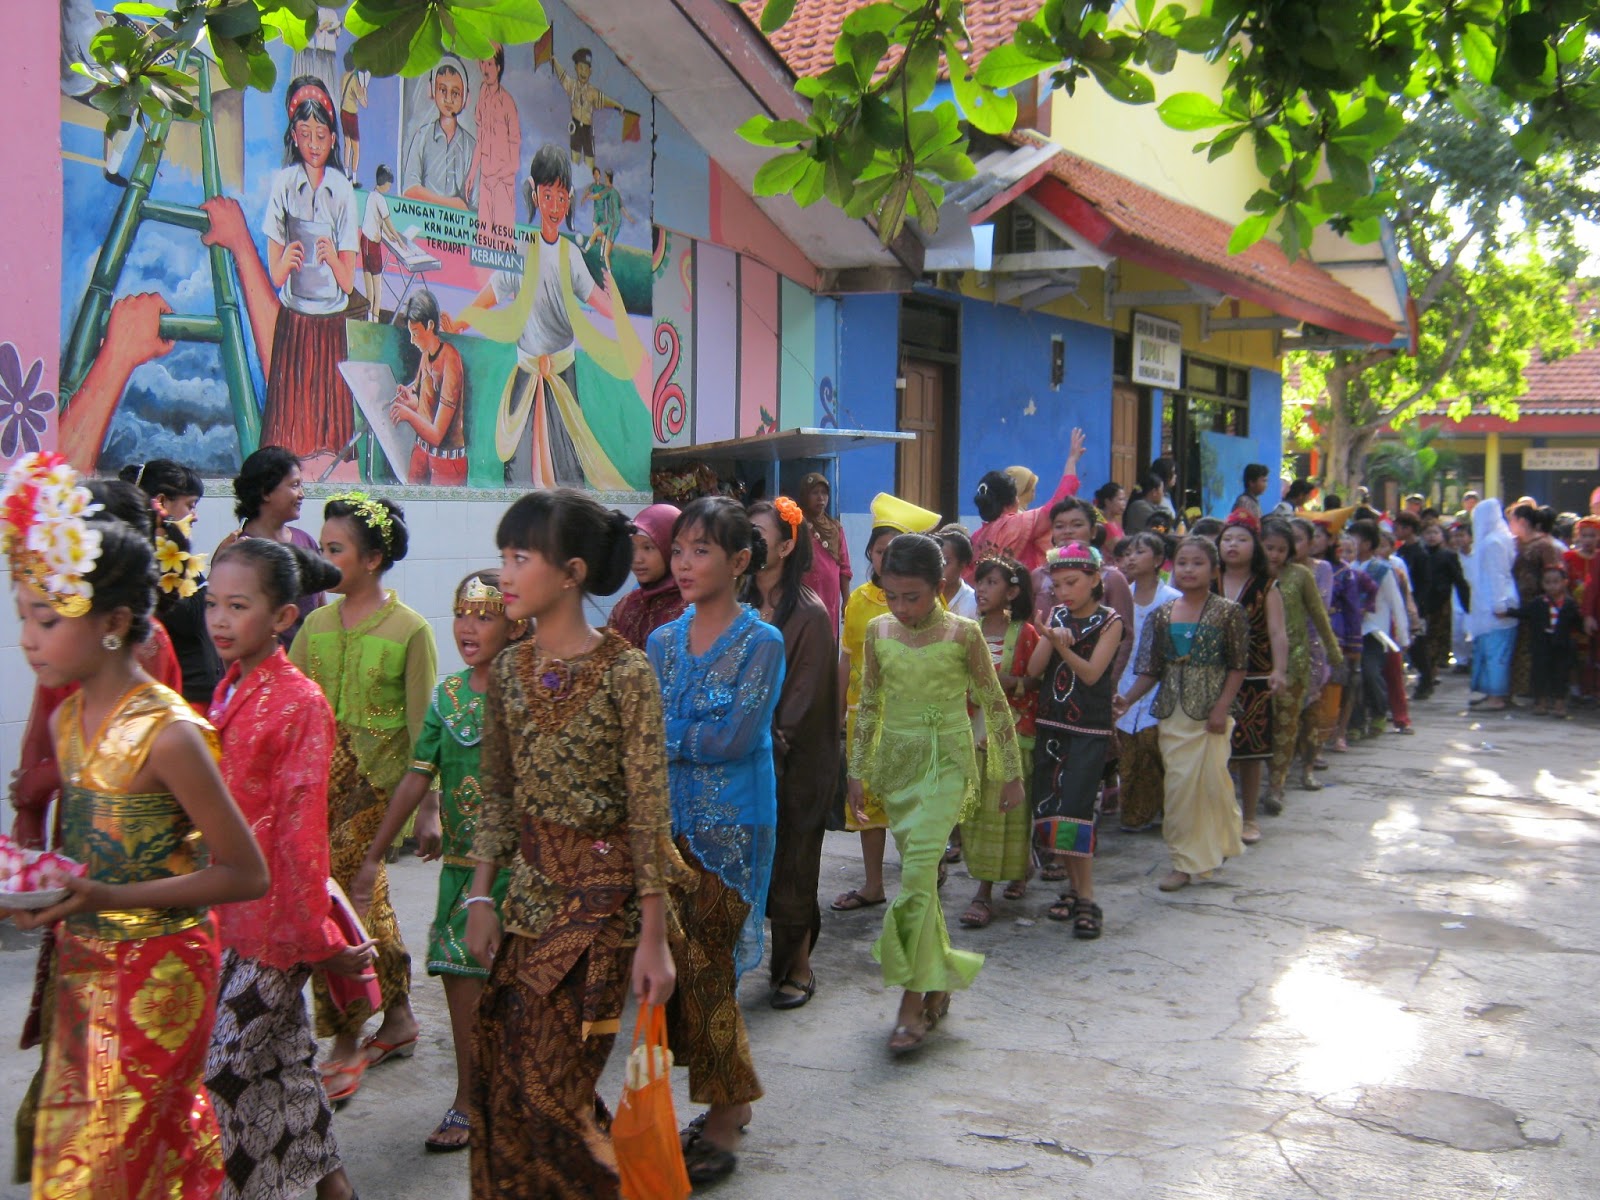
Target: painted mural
{"type": "Point", "coordinates": [514, 272]}
{"type": "Point", "coordinates": [445, 280]}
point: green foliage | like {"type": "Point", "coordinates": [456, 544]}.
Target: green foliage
{"type": "Point", "coordinates": [1491, 251]}
{"type": "Point", "coordinates": [393, 37]}
{"type": "Point", "coordinates": [1316, 90]}
{"type": "Point", "coordinates": [1414, 463]}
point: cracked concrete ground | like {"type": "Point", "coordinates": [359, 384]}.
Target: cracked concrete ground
{"type": "Point", "coordinates": [1390, 998]}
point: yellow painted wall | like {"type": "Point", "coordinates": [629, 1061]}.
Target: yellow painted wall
{"type": "Point", "coordinates": [1252, 348]}
{"type": "Point", "coordinates": [1133, 141]}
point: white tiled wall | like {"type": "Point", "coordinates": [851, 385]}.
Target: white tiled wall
{"type": "Point", "coordinates": [449, 538]}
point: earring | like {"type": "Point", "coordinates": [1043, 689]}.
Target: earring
{"type": "Point", "coordinates": [111, 642]}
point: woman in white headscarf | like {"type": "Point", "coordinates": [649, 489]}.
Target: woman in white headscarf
{"type": "Point", "coordinates": [1494, 592]}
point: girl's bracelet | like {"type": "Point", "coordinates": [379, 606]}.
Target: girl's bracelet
{"type": "Point", "coordinates": [470, 900]}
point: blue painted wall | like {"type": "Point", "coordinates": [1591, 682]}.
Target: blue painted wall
{"type": "Point", "coordinates": [869, 359]}
{"type": "Point", "coordinates": [1266, 429]}
{"type": "Point", "coordinates": [1010, 413]}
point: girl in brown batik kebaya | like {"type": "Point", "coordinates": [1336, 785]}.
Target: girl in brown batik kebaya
{"type": "Point", "coordinates": [575, 804]}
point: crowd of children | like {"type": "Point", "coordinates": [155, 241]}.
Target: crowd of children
{"type": "Point", "coordinates": [626, 808]}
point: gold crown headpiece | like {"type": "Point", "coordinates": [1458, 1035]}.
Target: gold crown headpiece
{"type": "Point", "coordinates": [45, 533]}
{"type": "Point", "coordinates": [373, 514]}
{"type": "Point", "coordinates": [479, 599]}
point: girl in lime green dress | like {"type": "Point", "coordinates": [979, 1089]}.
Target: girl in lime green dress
{"type": "Point", "coordinates": [913, 747]}
{"type": "Point", "coordinates": [446, 758]}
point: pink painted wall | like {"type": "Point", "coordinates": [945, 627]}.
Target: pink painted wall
{"type": "Point", "coordinates": [758, 348]}
{"type": "Point", "coordinates": [30, 232]}
{"type": "Point", "coordinates": [738, 223]}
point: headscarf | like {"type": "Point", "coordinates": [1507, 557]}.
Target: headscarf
{"type": "Point", "coordinates": [825, 527]}
{"type": "Point", "coordinates": [656, 523]}
{"type": "Point", "coordinates": [1027, 485]}
{"type": "Point", "coordinates": [1489, 569]}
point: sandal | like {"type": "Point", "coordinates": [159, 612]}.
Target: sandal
{"type": "Point", "coordinates": [1271, 804]}
{"type": "Point", "coordinates": [691, 1131]}
{"type": "Point", "coordinates": [708, 1163]}
{"type": "Point", "coordinates": [338, 1093]}
{"type": "Point", "coordinates": [907, 1038]}
{"type": "Point", "coordinates": [1310, 783]}
{"type": "Point", "coordinates": [952, 853]}
{"type": "Point", "coordinates": [1250, 833]}
{"type": "Point", "coordinates": [1173, 880]}
{"type": "Point", "coordinates": [1089, 920]}
{"type": "Point", "coordinates": [977, 916]}
{"type": "Point", "coordinates": [1065, 907]}
{"type": "Point", "coordinates": [454, 1119]}
{"type": "Point", "coordinates": [852, 900]}
{"type": "Point", "coordinates": [805, 991]}
{"type": "Point", "coordinates": [1016, 889]}
{"type": "Point", "coordinates": [934, 1011]}
{"type": "Point", "coordinates": [1054, 871]}
{"type": "Point", "coordinates": [388, 1050]}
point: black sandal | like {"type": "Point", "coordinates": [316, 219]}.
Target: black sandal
{"type": "Point", "coordinates": [708, 1163]}
{"type": "Point", "coordinates": [1088, 921]}
{"type": "Point", "coordinates": [806, 990]}
{"type": "Point", "coordinates": [1065, 907]}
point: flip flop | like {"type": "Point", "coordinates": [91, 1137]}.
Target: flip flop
{"type": "Point", "coordinates": [454, 1118]}
{"type": "Point", "coordinates": [343, 1092]}
{"type": "Point", "coordinates": [853, 900]}
{"type": "Point", "coordinates": [388, 1050]}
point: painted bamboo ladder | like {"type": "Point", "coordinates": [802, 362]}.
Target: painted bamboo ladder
{"type": "Point", "coordinates": [225, 329]}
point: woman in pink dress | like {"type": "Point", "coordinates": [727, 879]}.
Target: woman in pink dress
{"type": "Point", "coordinates": [1010, 531]}
{"type": "Point", "coordinates": [829, 576]}
{"type": "Point", "coordinates": [495, 161]}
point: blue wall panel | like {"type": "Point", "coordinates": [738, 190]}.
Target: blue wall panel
{"type": "Point", "coordinates": [1010, 413]}
{"type": "Point", "coordinates": [869, 357]}
{"type": "Point", "coordinates": [1266, 429]}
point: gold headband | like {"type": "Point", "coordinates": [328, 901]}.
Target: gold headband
{"type": "Point", "coordinates": [480, 599]}
{"type": "Point", "coordinates": [45, 534]}
{"type": "Point", "coordinates": [373, 514]}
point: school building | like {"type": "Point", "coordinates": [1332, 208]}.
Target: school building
{"type": "Point", "coordinates": [655, 325]}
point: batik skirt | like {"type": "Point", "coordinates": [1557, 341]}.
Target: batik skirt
{"type": "Point", "coordinates": [998, 846]}
{"type": "Point", "coordinates": [1252, 728]}
{"type": "Point", "coordinates": [277, 1124]}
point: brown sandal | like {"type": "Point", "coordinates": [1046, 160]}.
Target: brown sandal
{"type": "Point", "coordinates": [977, 916]}
{"type": "Point", "coordinates": [1017, 889]}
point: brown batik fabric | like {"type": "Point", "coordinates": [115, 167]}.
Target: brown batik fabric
{"type": "Point", "coordinates": [705, 1026]}
{"type": "Point", "coordinates": [540, 1131]}
{"type": "Point", "coordinates": [1141, 777]}
{"type": "Point", "coordinates": [355, 810]}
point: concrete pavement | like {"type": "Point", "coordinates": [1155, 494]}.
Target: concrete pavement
{"type": "Point", "coordinates": [1392, 996]}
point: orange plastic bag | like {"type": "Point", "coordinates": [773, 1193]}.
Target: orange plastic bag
{"type": "Point", "coordinates": [645, 1131]}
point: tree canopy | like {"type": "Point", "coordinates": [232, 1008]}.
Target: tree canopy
{"type": "Point", "coordinates": [1492, 256]}
{"type": "Point", "coordinates": [1315, 89]}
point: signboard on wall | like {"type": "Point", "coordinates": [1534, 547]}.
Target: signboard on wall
{"type": "Point", "coordinates": [1561, 458]}
{"type": "Point", "coordinates": [1157, 351]}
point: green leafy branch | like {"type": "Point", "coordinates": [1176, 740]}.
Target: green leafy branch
{"type": "Point", "coordinates": [145, 69]}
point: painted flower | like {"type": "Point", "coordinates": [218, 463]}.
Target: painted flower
{"type": "Point", "coordinates": [168, 1006]}
{"type": "Point", "coordinates": [24, 411]}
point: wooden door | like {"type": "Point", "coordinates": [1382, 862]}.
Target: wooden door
{"type": "Point", "coordinates": [921, 409]}
{"type": "Point", "coordinates": [1125, 435]}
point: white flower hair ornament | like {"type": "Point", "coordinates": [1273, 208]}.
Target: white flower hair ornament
{"type": "Point", "coordinates": [45, 532]}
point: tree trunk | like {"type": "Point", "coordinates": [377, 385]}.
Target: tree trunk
{"type": "Point", "coordinates": [1337, 476]}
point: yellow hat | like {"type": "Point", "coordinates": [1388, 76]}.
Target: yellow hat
{"type": "Point", "coordinates": [891, 512]}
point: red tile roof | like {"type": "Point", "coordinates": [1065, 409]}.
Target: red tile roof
{"type": "Point", "coordinates": [1559, 383]}
{"type": "Point", "coordinates": [1143, 225]}
{"type": "Point", "coordinates": [806, 41]}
